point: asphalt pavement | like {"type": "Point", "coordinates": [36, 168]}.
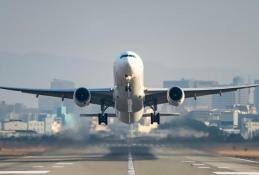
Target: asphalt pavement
{"type": "Point", "coordinates": [120, 159]}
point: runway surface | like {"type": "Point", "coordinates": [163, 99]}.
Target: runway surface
{"type": "Point", "coordinates": [119, 159]}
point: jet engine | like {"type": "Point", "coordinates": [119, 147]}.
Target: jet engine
{"type": "Point", "coordinates": [175, 96]}
{"type": "Point", "coordinates": [82, 97]}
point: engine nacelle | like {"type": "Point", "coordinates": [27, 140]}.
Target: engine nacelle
{"type": "Point", "coordinates": [82, 97]}
{"type": "Point", "coordinates": [175, 96]}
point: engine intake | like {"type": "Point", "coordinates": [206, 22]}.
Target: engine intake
{"type": "Point", "coordinates": [175, 96]}
{"type": "Point", "coordinates": [82, 97]}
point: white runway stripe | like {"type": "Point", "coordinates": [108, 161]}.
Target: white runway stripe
{"type": "Point", "coordinates": [246, 160]}
{"type": "Point", "coordinates": [38, 166]}
{"type": "Point", "coordinates": [64, 163]}
{"type": "Point", "coordinates": [236, 173]}
{"type": "Point", "coordinates": [188, 161]}
{"type": "Point", "coordinates": [57, 166]}
{"type": "Point", "coordinates": [197, 164]}
{"type": "Point", "coordinates": [203, 167]}
{"type": "Point", "coordinates": [131, 170]}
{"type": "Point", "coordinates": [223, 167]}
{"type": "Point", "coordinates": [24, 172]}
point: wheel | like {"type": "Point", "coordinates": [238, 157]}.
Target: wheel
{"type": "Point", "coordinates": [158, 118]}
{"type": "Point", "coordinates": [155, 118]}
{"type": "Point", "coordinates": [99, 119]}
{"type": "Point", "coordinates": [103, 119]}
{"type": "Point", "coordinates": [152, 118]}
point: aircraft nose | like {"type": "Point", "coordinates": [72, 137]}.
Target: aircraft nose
{"type": "Point", "coordinates": [128, 65]}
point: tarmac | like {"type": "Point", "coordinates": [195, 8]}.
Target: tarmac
{"type": "Point", "coordinates": [120, 159]}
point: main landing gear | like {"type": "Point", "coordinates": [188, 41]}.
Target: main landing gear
{"type": "Point", "coordinates": [103, 117]}
{"type": "Point", "coordinates": [155, 116]}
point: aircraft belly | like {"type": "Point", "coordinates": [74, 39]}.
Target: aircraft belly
{"type": "Point", "coordinates": [130, 117]}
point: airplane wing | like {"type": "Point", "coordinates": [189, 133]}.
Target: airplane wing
{"type": "Point", "coordinates": [160, 95]}
{"type": "Point", "coordinates": [98, 96]}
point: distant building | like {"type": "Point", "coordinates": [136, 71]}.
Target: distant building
{"type": "Point", "coordinates": [250, 129]}
{"type": "Point", "coordinates": [217, 118]}
{"type": "Point", "coordinates": [48, 125]}
{"type": "Point", "coordinates": [243, 96]}
{"type": "Point", "coordinates": [15, 125]}
{"type": "Point", "coordinates": [204, 102]}
{"type": "Point", "coordinates": [256, 96]}
{"type": "Point", "coordinates": [42, 117]}
{"type": "Point", "coordinates": [5, 110]}
{"type": "Point", "coordinates": [37, 126]}
{"type": "Point", "coordinates": [17, 133]}
{"type": "Point", "coordinates": [50, 104]}
{"type": "Point", "coordinates": [223, 101]}
{"type": "Point", "coordinates": [61, 115]}
{"type": "Point", "coordinates": [242, 118]}
{"type": "Point", "coordinates": [200, 115]}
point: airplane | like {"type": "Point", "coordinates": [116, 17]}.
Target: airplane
{"type": "Point", "coordinates": [129, 97]}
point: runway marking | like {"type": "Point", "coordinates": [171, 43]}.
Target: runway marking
{"type": "Point", "coordinates": [24, 172]}
{"type": "Point", "coordinates": [247, 160]}
{"type": "Point", "coordinates": [197, 164]}
{"type": "Point", "coordinates": [64, 163]}
{"type": "Point", "coordinates": [223, 167]}
{"type": "Point", "coordinates": [131, 170]}
{"type": "Point", "coordinates": [203, 167]}
{"type": "Point", "coordinates": [38, 166]}
{"type": "Point", "coordinates": [57, 166]}
{"type": "Point", "coordinates": [188, 161]}
{"type": "Point", "coordinates": [26, 157]}
{"type": "Point", "coordinates": [236, 173]}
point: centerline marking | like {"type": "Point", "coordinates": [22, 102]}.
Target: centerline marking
{"type": "Point", "coordinates": [235, 173]}
{"type": "Point", "coordinates": [57, 166]}
{"type": "Point", "coordinates": [64, 163]}
{"type": "Point", "coordinates": [131, 170]}
{"type": "Point", "coordinates": [24, 172]}
{"type": "Point", "coordinates": [38, 166]}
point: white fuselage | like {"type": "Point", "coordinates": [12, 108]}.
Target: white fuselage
{"type": "Point", "coordinates": [129, 87]}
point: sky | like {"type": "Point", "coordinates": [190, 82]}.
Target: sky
{"type": "Point", "coordinates": [79, 41]}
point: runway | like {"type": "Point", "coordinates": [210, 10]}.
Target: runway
{"type": "Point", "coordinates": [119, 159]}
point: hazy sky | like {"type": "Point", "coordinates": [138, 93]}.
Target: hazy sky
{"type": "Point", "coordinates": [79, 40]}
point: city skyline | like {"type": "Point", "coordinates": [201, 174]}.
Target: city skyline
{"type": "Point", "coordinates": [197, 40]}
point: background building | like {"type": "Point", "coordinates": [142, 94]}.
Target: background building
{"type": "Point", "coordinates": [13, 125]}
{"type": "Point", "coordinates": [256, 96]}
{"type": "Point", "coordinates": [190, 104]}
{"type": "Point", "coordinates": [37, 126]}
{"type": "Point", "coordinates": [50, 104]}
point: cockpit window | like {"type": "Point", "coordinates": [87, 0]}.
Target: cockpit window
{"type": "Point", "coordinates": [122, 56]}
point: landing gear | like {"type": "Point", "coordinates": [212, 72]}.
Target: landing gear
{"type": "Point", "coordinates": [128, 88]}
{"type": "Point", "coordinates": [103, 119]}
{"type": "Point", "coordinates": [155, 116]}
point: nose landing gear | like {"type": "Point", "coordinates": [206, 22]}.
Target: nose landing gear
{"type": "Point", "coordinates": [128, 87]}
